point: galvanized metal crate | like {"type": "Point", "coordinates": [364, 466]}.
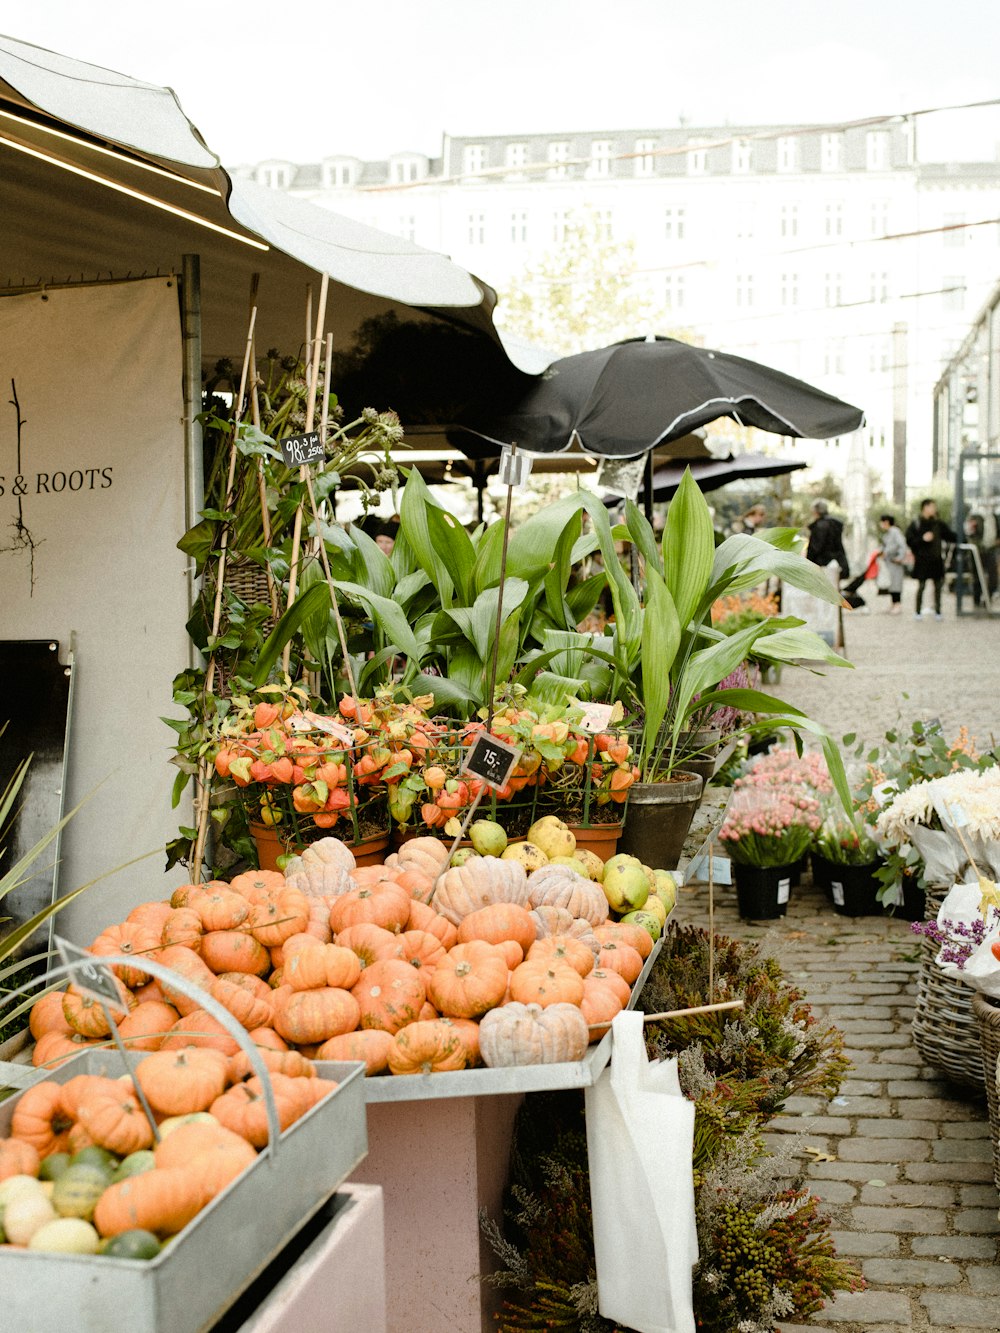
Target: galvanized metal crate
{"type": "Point", "coordinates": [192, 1282]}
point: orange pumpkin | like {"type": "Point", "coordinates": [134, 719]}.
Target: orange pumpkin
{"type": "Point", "coordinates": [224, 910]}
{"type": "Point", "coordinates": [324, 965]}
{"type": "Point", "coordinates": [599, 1005]}
{"type": "Point", "coordinates": [18, 1159]}
{"type": "Point", "coordinates": [616, 956]}
{"type": "Point", "coordinates": [365, 876]}
{"type": "Point", "coordinates": [151, 915]}
{"type": "Point", "coordinates": [197, 1136]}
{"type": "Point", "coordinates": [243, 1109]}
{"type": "Point", "coordinates": [512, 952]}
{"type": "Point", "coordinates": [471, 980]}
{"type": "Point", "coordinates": [180, 1082]}
{"type": "Point", "coordinates": [302, 940]}
{"type": "Point", "coordinates": [79, 1139]}
{"type": "Point", "coordinates": [427, 1012]}
{"type": "Point", "coordinates": [420, 949]}
{"type": "Point", "coordinates": [248, 1007]}
{"type": "Point", "coordinates": [315, 1015]}
{"type": "Point", "coordinates": [47, 1015]}
{"type": "Point", "coordinates": [163, 1200]}
{"type": "Point", "coordinates": [192, 968]}
{"type": "Point", "coordinates": [199, 1029]}
{"type": "Point", "coordinates": [146, 1026]}
{"type": "Point", "coordinates": [182, 926]}
{"type": "Point", "coordinates": [545, 982]}
{"type": "Point", "coordinates": [294, 1064]}
{"type": "Point", "coordinates": [369, 1044]}
{"type": "Point", "coordinates": [254, 881]}
{"type": "Point", "coordinates": [614, 980]}
{"type": "Point", "coordinates": [85, 1015]}
{"type": "Point", "coordinates": [566, 949]}
{"type": "Point", "coordinates": [128, 938]}
{"type": "Point", "coordinates": [82, 1086]}
{"type": "Point", "coordinates": [40, 1118]}
{"type": "Point", "coordinates": [116, 1121]}
{"type": "Point", "coordinates": [150, 991]}
{"type": "Point", "coordinates": [54, 1048]}
{"type": "Point", "coordinates": [427, 1048]}
{"type": "Point", "coordinates": [319, 919]}
{"type": "Point", "coordinates": [219, 1165]}
{"type": "Point", "coordinates": [499, 922]}
{"type": "Point", "coordinates": [626, 932]}
{"type": "Point", "coordinates": [384, 904]}
{"type": "Point", "coordinates": [275, 914]}
{"type": "Point", "coordinates": [314, 1090]}
{"type": "Point", "coordinates": [468, 1034]}
{"type": "Point", "coordinates": [389, 994]}
{"type": "Point", "coordinates": [234, 951]}
{"type": "Point", "coordinates": [369, 942]}
{"type": "Point", "coordinates": [423, 917]}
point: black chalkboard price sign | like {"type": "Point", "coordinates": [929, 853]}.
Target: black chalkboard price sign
{"type": "Point", "coordinates": [92, 977]}
{"type": "Point", "coordinates": [491, 760]}
{"type": "Point", "coordinates": [298, 450]}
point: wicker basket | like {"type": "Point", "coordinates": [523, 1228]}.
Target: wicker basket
{"type": "Point", "coordinates": [987, 1014]}
{"type": "Point", "coordinates": [945, 1030]}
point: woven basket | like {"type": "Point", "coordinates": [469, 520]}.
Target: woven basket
{"type": "Point", "coordinates": [987, 1014]}
{"type": "Point", "coordinates": [248, 581]}
{"type": "Point", "coordinates": [945, 1030]}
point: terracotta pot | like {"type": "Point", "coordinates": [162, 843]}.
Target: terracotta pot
{"type": "Point", "coordinates": [601, 839]}
{"type": "Point", "coordinates": [368, 852]}
{"type": "Point", "coordinates": [658, 818]}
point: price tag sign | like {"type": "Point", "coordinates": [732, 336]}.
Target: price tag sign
{"type": "Point", "coordinates": [92, 977]}
{"type": "Point", "coordinates": [332, 728]}
{"type": "Point", "coordinates": [491, 760]}
{"type": "Point", "coordinates": [515, 469]}
{"type": "Point", "coordinates": [697, 871]}
{"type": "Point", "coordinates": [298, 450]}
{"type": "Point", "coordinates": [596, 717]}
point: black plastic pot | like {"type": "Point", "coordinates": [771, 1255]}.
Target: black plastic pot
{"type": "Point", "coordinates": [762, 892]}
{"type": "Point", "coordinates": [658, 817]}
{"type": "Point", "coordinates": [854, 890]}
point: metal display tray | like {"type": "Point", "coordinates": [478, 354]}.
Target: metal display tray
{"type": "Point", "coordinates": [194, 1279]}
{"type": "Point", "coordinates": [517, 1078]}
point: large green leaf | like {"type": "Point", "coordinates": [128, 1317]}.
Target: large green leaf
{"type": "Point", "coordinates": [454, 547]}
{"type": "Point", "coordinates": [582, 597]}
{"type": "Point", "coordinates": [661, 634]}
{"type": "Point", "coordinates": [707, 666]}
{"type": "Point", "coordinates": [290, 624]}
{"type": "Point", "coordinates": [532, 545]}
{"type": "Point", "coordinates": [557, 579]}
{"type": "Point", "coordinates": [688, 548]}
{"type": "Point", "coordinates": [387, 615]}
{"type": "Point", "coordinates": [478, 622]}
{"type": "Point", "coordinates": [798, 645]}
{"type": "Point", "coordinates": [447, 692]}
{"type": "Point", "coordinates": [414, 505]}
{"type": "Point", "coordinates": [373, 567]}
{"type": "Point", "coordinates": [624, 598]}
{"type": "Point", "coordinates": [743, 561]}
{"type": "Point", "coordinates": [489, 549]}
{"type": "Point", "coordinates": [638, 529]}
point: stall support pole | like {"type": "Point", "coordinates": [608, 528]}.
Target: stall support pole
{"type": "Point", "coordinates": [194, 465]}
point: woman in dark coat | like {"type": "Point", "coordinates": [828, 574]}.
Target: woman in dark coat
{"type": "Point", "coordinates": [925, 537]}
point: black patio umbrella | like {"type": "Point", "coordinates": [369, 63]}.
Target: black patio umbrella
{"type": "Point", "coordinates": [622, 400]}
{"type": "Point", "coordinates": [711, 473]}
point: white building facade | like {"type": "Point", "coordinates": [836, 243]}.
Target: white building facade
{"type": "Point", "coordinates": [833, 254]}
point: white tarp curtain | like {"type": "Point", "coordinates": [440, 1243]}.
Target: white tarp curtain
{"type": "Point", "coordinates": [97, 372]}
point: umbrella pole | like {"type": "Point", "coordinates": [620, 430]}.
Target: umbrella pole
{"type": "Point", "coordinates": [649, 488]}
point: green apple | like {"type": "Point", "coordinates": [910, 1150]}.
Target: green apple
{"type": "Point", "coordinates": [665, 888]}
{"type": "Point", "coordinates": [571, 863]}
{"type": "Point", "coordinates": [653, 904]}
{"type": "Point", "coordinates": [463, 855]}
{"type": "Point", "coordinates": [553, 836]}
{"type": "Point", "coordinates": [647, 921]}
{"type": "Point", "coordinates": [488, 838]}
{"type": "Point", "coordinates": [625, 886]}
{"type": "Point", "coordinates": [591, 862]}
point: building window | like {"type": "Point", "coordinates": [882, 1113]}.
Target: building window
{"type": "Point", "coordinates": [878, 359]}
{"type": "Point", "coordinates": [832, 288]}
{"type": "Point", "coordinates": [515, 156]}
{"type": "Point", "coordinates": [697, 162]}
{"type": "Point", "coordinates": [338, 175]}
{"type": "Point", "coordinates": [953, 294]}
{"type": "Point", "coordinates": [603, 224]}
{"type": "Point", "coordinates": [789, 219]}
{"type": "Point", "coordinates": [789, 289]}
{"type": "Point", "coordinates": [787, 153]}
{"type": "Point", "coordinates": [744, 223]}
{"type": "Point", "coordinates": [473, 159]}
{"type": "Point", "coordinates": [876, 150]}
{"type": "Point", "coordinates": [673, 224]}
{"type": "Point", "coordinates": [744, 289]}
{"type": "Point", "coordinates": [742, 157]}
{"type": "Point", "coordinates": [673, 291]}
{"type": "Point", "coordinates": [600, 158]}
{"type": "Point", "coordinates": [831, 152]}
{"type": "Point", "coordinates": [276, 176]}
{"type": "Point", "coordinates": [879, 288]}
{"type": "Point", "coordinates": [403, 170]}
{"type": "Point", "coordinates": [645, 162]}
{"type": "Point", "coordinates": [833, 220]}
{"type": "Point", "coordinates": [408, 227]}
{"type": "Point", "coordinates": [954, 235]}
{"type": "Point", "coordinates": [880, 217]}
{"type": "Point", "coordinates": [558, 157]}
{"type": "Point", "coordinates": [833, 357]}
{"type": "Point", "coordinates": [477, 228]}
{"type": "Point", "coordinates": [519, 226]}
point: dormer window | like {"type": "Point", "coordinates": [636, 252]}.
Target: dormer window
{"type": "Point", "coordinates": [275, 175]}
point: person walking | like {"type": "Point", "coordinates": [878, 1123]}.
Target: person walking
{"type": "Point", "coordinates": [925, 537]}
{"type": "Point", "coordinates": [826, 539]}
{"type": "Point", "coordinates": [893, 560]}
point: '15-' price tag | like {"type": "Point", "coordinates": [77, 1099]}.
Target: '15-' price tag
{"type": "Point", "coordinates": [491, 760]}
{"type": "Point", "coordinates": [298, 450]}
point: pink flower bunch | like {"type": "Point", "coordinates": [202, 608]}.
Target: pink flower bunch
{"type": "Point", "coordinates": [785, 768]}
{"type": "Point", "coordinates": [769, 826]}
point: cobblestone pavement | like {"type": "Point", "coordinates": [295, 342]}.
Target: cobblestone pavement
{"type": "Point", "coordinates": [902, 1157]}
{"type": "Point", "coordinates": [949, 668]}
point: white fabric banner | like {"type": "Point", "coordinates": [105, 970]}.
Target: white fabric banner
{"type": "Point", "coordinates": [91, 508]}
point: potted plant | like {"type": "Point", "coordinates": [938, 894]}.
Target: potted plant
{"type": "Point", "coordinates": [845, 860]}
{"type": "Point", "coordinates": [765, 832]}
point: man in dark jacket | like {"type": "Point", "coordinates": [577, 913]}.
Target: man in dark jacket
{"type": "Point", "coordinates": [925, 537]}
{"type": "Point", "coordinates": [826, 539]}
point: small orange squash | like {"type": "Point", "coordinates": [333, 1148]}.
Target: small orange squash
{"type": "Point", "coordinates": [315, 1015]}
{"type": "Point", "coordinates": [368, 941]}
{"type": "Point", "coordinates": [368, 1044]}
{"type": "Point", "coordinates": [616, 956]}
{"type": "Point", "coordinates": [423, 917]}
{"type": "Point", "coordinates": [420, 949]}
{"type": "Point", "coordinates": [151, 915]}
{"type": "Point", "coordinates": [390, 994]}
{"type": "Point", "coordinates": [427, 1048]}
{"type": "Point", "coordinates": [499, 922]}
{"type": "Point", "coordinates": [54, 1048]}
{"type": "Point", "coordinates": [82, 1086]}
{"type": "Point", "coordinates": [224, 910]}
{"type": "Point", "coordinates": [182, 926]}
{"type": "Point", "coordinates": [192, 968]}
{"type": "Point", "coordinates": [116, 1121]}
{"type": "Point", "coordinates": [244, 1110]}
{"type": "Point", "coordinates": [324, 965]}
{"type": "Point", "coordinates": [181, 1082]}
{"type": "Point", "coordinates": [248, 1007]}
{"type": "Point", "coordinates": [544, 982]}
{"type": "Point", "coordinates": [146, 1026]}
{"type": "Point", "coordinates": [275, 914]}
{"type": "Point", "coordinates": [566, 949]}
{"type": "Point", "coordinates": [47, 1015]}
{"type": "Point", "coordinates": [201, 1030]}
{"type": "Point", "coordinates": [234, 951]}
{"type": "Point", "coordinates": [40, 1118]}
{"type": "Point", "coordinates": [471, 980]}
{"type": "Point", "coordinates": [600, 1004]}
{"type": "Point", "coordinates": [18, 1158]}
{"type": "Point", "coordinates": [163, 1200]}
{"type": "Point", "coordinates": [384, 904]}
{"type": "Point", "coordinates": [128, 938]}
{"type": "Point", "coordinates": [254, 881]}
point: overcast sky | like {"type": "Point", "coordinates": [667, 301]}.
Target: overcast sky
{"type": "Point", "coordinates": [317, 77]}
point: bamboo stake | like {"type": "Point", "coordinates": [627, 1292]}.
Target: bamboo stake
{"type": "Point", "coordinates": [204, 779]}
{"type": "Point", "coordinates": [293, 574]}
{"type": "Point", "coordinates": [683, 1013]}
